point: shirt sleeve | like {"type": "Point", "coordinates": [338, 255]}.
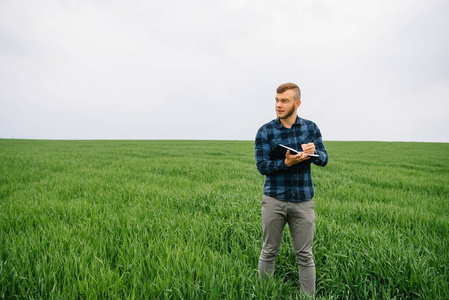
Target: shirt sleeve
{"type": "Point", "coordinates": [320, 149]}
{"type": "Point", "coordinates": [263, 162]}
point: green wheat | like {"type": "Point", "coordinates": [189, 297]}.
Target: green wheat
{"type": "Point", "coordinates": [181, 220]}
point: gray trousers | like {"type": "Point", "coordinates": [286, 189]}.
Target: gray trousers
{"type": "Point", "coordinates": [300, 217]}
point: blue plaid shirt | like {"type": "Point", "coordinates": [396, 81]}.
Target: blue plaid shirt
{"type": "Point", "coordinates": [292, 183]}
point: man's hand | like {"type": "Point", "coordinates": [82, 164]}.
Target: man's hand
{"type": "Point", "coordinates": [308, 148]}
{"type": "Point", "coordinates": [291, 160]}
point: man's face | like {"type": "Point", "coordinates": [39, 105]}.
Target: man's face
{"type": "Point", "coordinates": [286, 104]}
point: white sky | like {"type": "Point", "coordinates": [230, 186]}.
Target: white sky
{"type": "Point", "coordinates": [198, 69]}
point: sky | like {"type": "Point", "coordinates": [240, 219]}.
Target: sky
{"type": "Point", "coordinates": [197, 69]}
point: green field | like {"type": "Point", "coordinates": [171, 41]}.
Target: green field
{"type": "Point", "coordinates": [181, 220]}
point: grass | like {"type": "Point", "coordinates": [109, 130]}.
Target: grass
{"type": "Point", "coordinates": [181, 220]}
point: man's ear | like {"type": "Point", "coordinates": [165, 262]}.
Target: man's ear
{"type": "Point", "coordinates": [298, 103]}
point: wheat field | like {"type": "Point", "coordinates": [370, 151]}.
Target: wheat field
{"type": "Point", "coordinates": [181, 220]}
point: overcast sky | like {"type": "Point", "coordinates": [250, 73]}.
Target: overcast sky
{"type": "Point", "coordinates": [198, 69]}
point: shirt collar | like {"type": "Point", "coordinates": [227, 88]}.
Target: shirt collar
{"type": "Point", "coordinates": [279, 125]}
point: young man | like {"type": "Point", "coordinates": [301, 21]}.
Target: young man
{"type": "Point", "coordinates": [288, 190]}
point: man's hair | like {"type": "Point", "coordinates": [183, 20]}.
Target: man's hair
{"type": "Point", "coordinates": [289, 86]}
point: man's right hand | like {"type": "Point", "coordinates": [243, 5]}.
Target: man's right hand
{"type": "Point", "coordinates": [291, 159]}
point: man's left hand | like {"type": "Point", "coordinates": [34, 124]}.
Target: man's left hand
{"type": "Point", "coordinates": [308, 148]}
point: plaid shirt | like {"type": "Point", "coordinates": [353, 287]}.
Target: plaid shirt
{"type": "Point", "coordinates": [292, 183]}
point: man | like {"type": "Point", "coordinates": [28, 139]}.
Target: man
{"type": "Point", "coordinates": [288, 190]}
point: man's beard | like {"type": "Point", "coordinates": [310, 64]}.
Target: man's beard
{"type": "Point", "coordinates": [289, 113]}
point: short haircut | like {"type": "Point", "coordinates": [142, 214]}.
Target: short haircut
{"type": "Point", "coordinates": [289, 86]}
